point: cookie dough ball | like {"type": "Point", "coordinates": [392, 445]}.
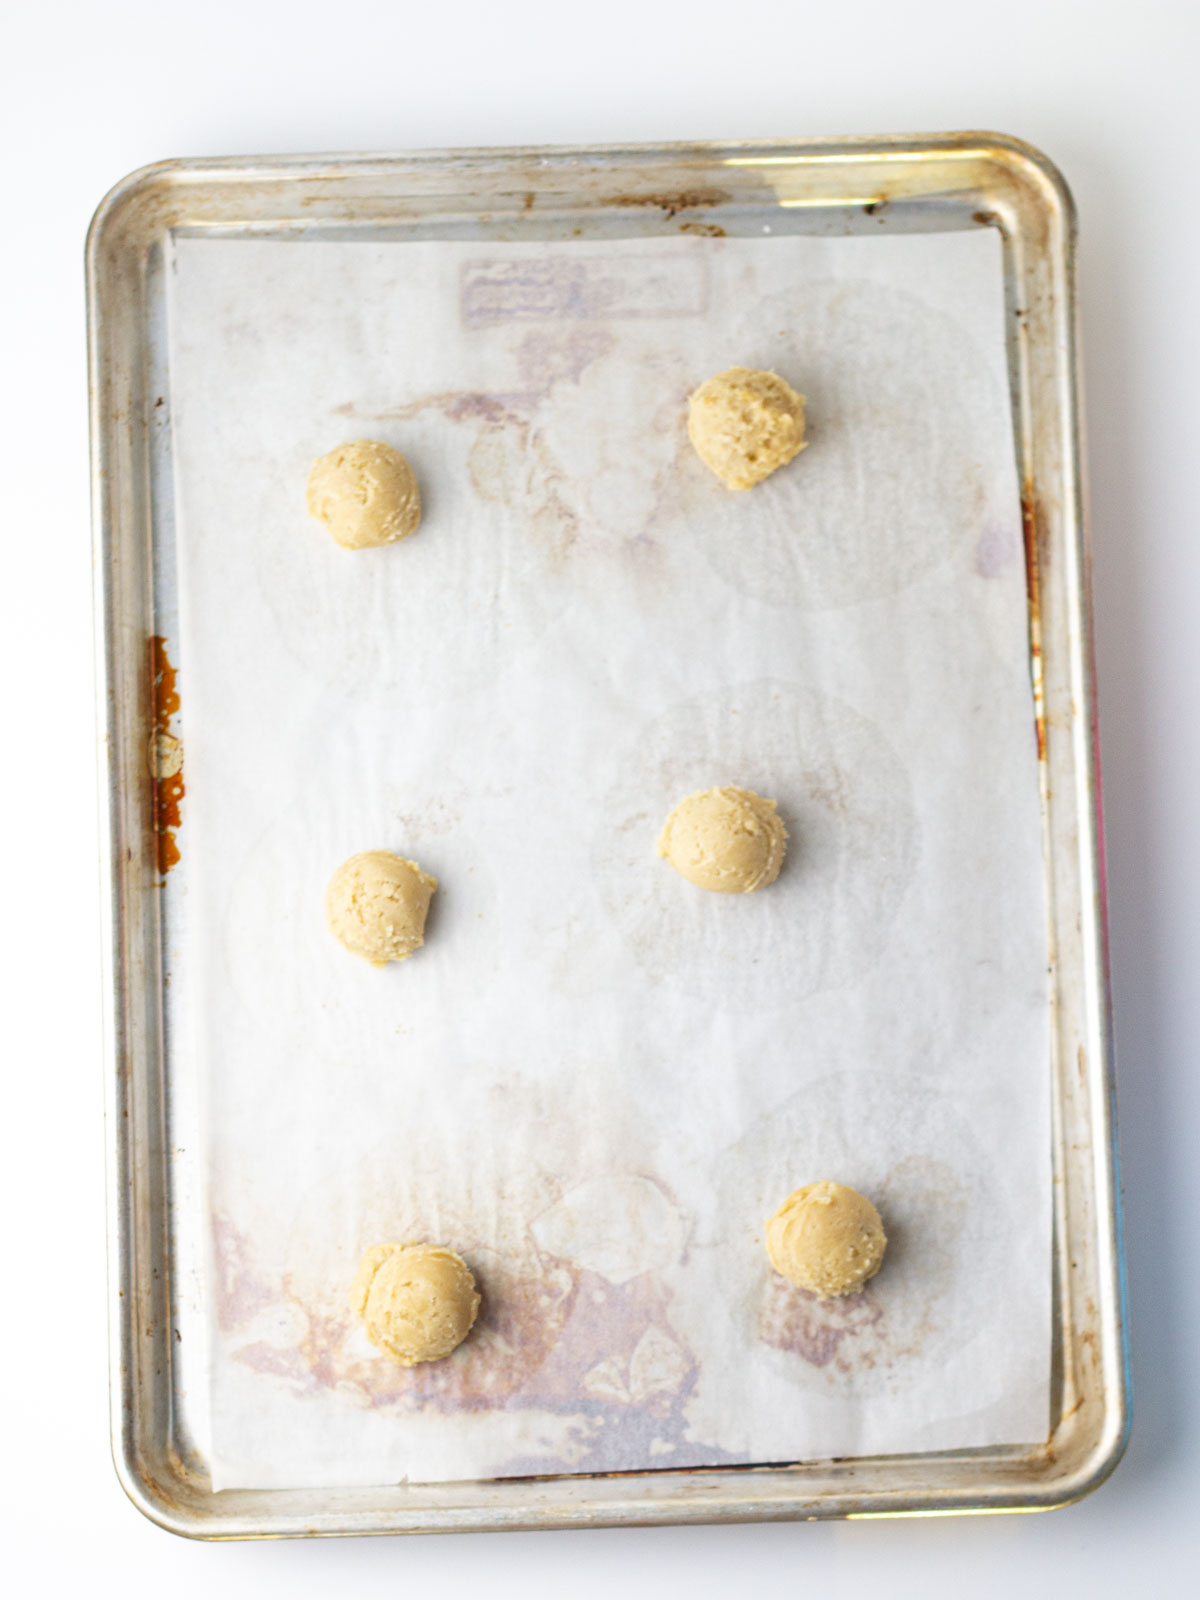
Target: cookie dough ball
{"type": "Point", "coordinates": [744, 424]}
{"type": "Point", "coordinates": [376, 904]}
{"type": "Point", "coordinates": [418, 1301]}
{"type": "Point", "coordinates": [826, 1238]}
{"type": "Point", "coordinates": [365, 494]}
{"type": "Point", "coordinates": [729, 840]}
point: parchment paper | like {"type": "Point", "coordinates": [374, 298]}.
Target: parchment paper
{"type": "Point", "coordinates": [595, 1081]}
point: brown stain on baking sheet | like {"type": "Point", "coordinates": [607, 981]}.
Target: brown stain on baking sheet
{"type": "Point", "coordinates": [239, 1293]}
{"type": "Point", "coordinates": [847, 1338]}
{"type": "Point", "coordinates": [166, 756]}
{"type": "Point", "coordinates": [673, 202]}
{"type": "Point", "coordinates": [458, 405]}
{"type": "Point", "coordinates": [794, 1320]}
{"type": "Point", "coordinates": [552, 1336]}
{"type": "Point", "coordinates": [1029, 525]}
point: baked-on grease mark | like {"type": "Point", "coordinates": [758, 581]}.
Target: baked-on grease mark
{"type": "Point", "coordinates": [674, 202]}
{"type": "Point", "coordinates": [897, 1319]}
{"type": "Point", "coordinates": [239, 1292]}
{"type": "Point", "coordinates": [550, 1337]}
{"type": "Point", "coordinates": [509, 462]}
{"type": "Point", "coordinates": [1030, 522]}
{"type": "Point", "coordinates": [577, 288]}
{"type": "Point", "coordinates": [579, 489]}
{"type": "Point", "coordinates": [166, 756]}
{"type": "Point", "coordinates": [795, 1320]}
{"type": "Point", "coordinates": [547, 1338]}
{"type": "Point", "coordinates": [370, 623]}
{"type": "Point", "coordinates": [895, 478]}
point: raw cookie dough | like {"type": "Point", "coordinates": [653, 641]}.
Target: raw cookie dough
{"type": "Point", "coordinates": [826, 1238]}
{"type": "Point", "coordinates": [365, 494]}
{"type": "Point", "coordinates": [729, 840]}
{"type": "Point", "coordinates": [418, 1301]}
{"type": "Point", "coordinates": [376, 904]}
{"type": "Point", "coordinates": [744, 424]}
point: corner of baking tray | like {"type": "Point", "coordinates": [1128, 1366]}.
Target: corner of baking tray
{"type": "Point", "coordinates": [165, 1499]}
{"type": "Point", "coordinates": [1018, 162]}
{"type": "Point", "coordinates": [133, 211]}
{"type": "Point", "coordinates": [1098, 1460]}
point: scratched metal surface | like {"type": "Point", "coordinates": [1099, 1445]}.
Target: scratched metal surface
{"type": "Point", "coordinates": [829, 187]}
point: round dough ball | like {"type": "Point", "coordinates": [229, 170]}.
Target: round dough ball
{"type": "Point", "coordinates": [729, 840]}
{"type": "Point", "coordinates": [418, 1301]}
{"type": "Point", "coordinates": [744, 424]}
{"type": "Point", "coordinates": [365, 494]}
{"type": "Point", "coordinates": [376, 904]}
{"type": "Point", "coordinates": [826, 1238]}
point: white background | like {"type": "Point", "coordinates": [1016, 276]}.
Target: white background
{"type": "Point", "coordinates": [89, 91]}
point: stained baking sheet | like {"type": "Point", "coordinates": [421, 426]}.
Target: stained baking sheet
{"type": "Point", "coordinates": [596, 1081]}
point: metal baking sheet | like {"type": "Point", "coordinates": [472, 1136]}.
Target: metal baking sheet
{"type": "Point", "coordinates": [831, 188]}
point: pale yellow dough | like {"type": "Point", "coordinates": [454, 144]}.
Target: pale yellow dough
{"type": "Point", "coordinates": [826, 1238]}
{"type": "Point", "coordinates": [729, 840]}
{"type": "Point", "coordinates": [418, 1301]}
{"type": "Point", "coordinates": [365, 494]}
{"type": "Point", "coordinates": [376, 904]}
{"type": "Point", "coordinates": [745, 424]}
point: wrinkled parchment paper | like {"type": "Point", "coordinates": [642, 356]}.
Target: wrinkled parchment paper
{"type": "Point", "coordinates": [596, 1081]}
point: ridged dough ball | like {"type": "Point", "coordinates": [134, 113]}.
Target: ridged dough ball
{"type": "Point", "coordinates": [746, 424]}
{"type": "Point", "coordinates": [728, 840]}
{"type": "Point", "coordinates": [365, 493]}
{"type": "Point", "coordinates": [826, 1238]}
{"type": "Point", "coordinates": [418, 1302]}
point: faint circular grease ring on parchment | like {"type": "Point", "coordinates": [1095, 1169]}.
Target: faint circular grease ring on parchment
{"type": "Point", "coordinates": [847, 803]}
{"type": "Point", "coordinates": [300, 988]}
{"type": "Point", "coordinates": [900, 1140]}
{"type": "Point", "coordinates": [440, 613]}
{"type": "Point", "coordinates": [572, 1324]}
{"type": "Point", "coordinates": [901, 407]}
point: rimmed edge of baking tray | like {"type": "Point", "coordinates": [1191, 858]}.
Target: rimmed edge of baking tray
{"type": "Point", "coordinates": [831, 186]}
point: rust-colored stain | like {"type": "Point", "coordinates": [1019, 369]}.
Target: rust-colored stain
{"type": "Point", "coordinates": [167, 783]}
{"type": "Point", "coordinates": [1068, 1414]}
{"type": "Point", "coordinates": [551, 1336]}
{"type": "Point", "coordinates": [1029, 524]}
{"type": "Point", "coordinates": [672, 204]}
{"type": "Point", "coordinates": [704, 230]}
{"type": "Point", "coordinates": [794, 1320]}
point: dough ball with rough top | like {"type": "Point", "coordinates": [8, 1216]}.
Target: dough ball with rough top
{"type": "Point", "coordinates": [826, 1238]}
{"type": "Point", "coordinates": [746, 424]}
{"type": "Point", "coordinates": [729, 840]}
{"type": "Point", "coordinates": [365, 494]}
{"type": "Point", "coordinates": [418, 1302]}
{"type": "Point", "coordinates": [376, 905]}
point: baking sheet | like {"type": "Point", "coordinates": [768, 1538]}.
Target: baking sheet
{"type": "Point", "coordinates": [594, 1081]}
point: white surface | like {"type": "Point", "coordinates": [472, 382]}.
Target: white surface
{"type": "Point", "coordinates": [520, 712]}
{"type": "Point", "coordinates": [1108, 91]}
